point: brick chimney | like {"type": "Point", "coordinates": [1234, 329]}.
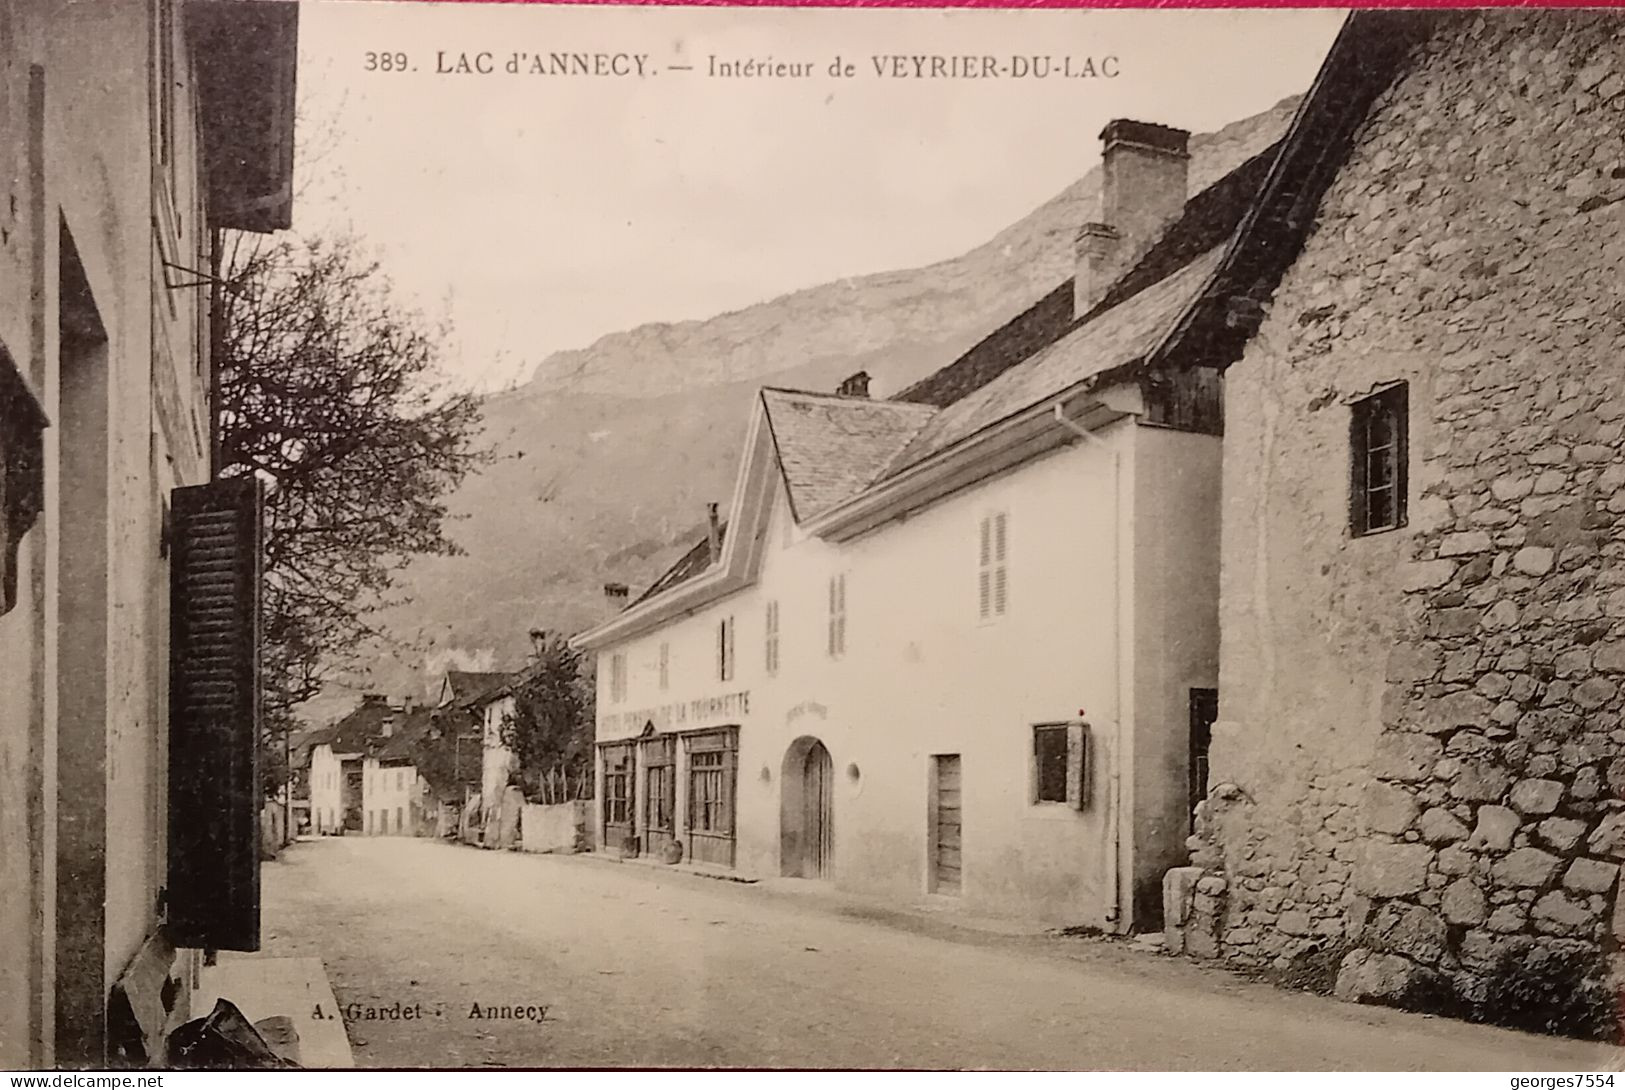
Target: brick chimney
{"type": "Point", "coordinates": [615, 597]}
{"type": "Point", "coordinates": [1144, 182]}
{"type": "Point", "coordinates": [854, 385]}
{"type": "Point", "coordinates": [713, 537]}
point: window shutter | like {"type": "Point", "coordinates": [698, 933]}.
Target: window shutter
{"type": "Point", "coordinates": [214, 717]}
{"type": "Point", "coordinates": [1077, 765]}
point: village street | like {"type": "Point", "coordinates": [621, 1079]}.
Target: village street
{"type": "Point", "coordinates": [642, 967]}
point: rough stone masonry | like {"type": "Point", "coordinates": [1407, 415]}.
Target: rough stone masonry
{"type": "Point", "coordinates": [1421, 758]}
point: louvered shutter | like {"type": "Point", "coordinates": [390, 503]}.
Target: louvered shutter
{"type": "Point", "coordinates": [1077, 765]}
{"type": "Point", "coordinates": [214, 718]}
{"type": "Point", "coordinates": [1000, 587]}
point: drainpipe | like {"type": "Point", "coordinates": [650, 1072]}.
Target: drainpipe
{"type": "Point", "coordinates": [1119, 921]}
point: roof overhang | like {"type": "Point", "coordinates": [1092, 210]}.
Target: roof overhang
{"type": "Point", "coordinates": [246, 55]}
{"type": "Point", "coordinates": [741, 555]}
{"type": "Point", "coordinates": [1001, 447]}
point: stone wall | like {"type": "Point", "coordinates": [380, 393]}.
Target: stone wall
{"type": "Point", "coordinates": [561, 827]}
{"type": "Point", "coordinates": [1420, 754]}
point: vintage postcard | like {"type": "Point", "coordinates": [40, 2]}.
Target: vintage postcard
{"type": "Point", "coordinates": [537, 536]}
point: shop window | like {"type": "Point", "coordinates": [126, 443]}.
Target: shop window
{"type": "Point", "coordinates": [660, 784]}
{"type": "Point", "coordinates": [617, 785]}
{"type": "Point", "coordinates": [711, 768]}
{"type": "Point", "coordinates": [1060, 764]}
{"type": "Point", "coordinates": [992, 580]}
{"type": "Point", "coordinates": [1379, 452]}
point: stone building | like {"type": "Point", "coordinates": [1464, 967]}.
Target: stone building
{"type": "Point", "coordinates": [130, 134]}
{"type": "Point", "coordinates": [1419, 766]}
{"type": "Point", "coordinates": [960, 644]}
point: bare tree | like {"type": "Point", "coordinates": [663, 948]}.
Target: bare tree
{"type": "Point", "coordinates": [329, 391]}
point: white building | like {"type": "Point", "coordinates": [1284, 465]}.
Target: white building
{"type": "Point", "coordinates": [362, 775]}
{"type": "Point", "coordinates": [963, 643]}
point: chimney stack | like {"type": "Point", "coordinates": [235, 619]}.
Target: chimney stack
{"type": "Point", "coordinates": [713, 538]}
{"type": "Point", "coordinates": [854, 385]}
{"type": "Point", "coordinates": [1144, 182]}
{"type": "Point", "coordinates": [615, 595]}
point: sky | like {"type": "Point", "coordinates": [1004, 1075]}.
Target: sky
{"type": "Point", "coordinates": [539, 211]}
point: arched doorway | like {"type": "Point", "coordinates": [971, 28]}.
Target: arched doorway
{"type": "Point", "coordinates": [806, 805]}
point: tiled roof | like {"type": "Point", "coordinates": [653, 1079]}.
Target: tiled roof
{"type": "Point", "coordinates": [690, 564]}
{"type": "Point", "coordinates": [469, 686]}
{"type": "Point", "coordinates": [1123, 335]}
{"type": "Point", "coordinates": [410, 730]}
{"type": "Point", "coordinates": [362, 731]}
{"type": "Point", "coordinates": [1208, 220]}
{"type": "Point", "coordinates": [831, 448]}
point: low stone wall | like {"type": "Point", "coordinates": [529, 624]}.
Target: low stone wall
{"type": "Point", "coordinates": [561, 827]}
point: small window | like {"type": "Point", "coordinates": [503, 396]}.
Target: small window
{"type": "Point", "coordinates": [617, 677]}
{"type": "Point", "coordinates": [665, 666]}
{"type": "Point", "coordinates": [837, 615]}
{"type": "Point", "coordinates": [1060, 764]}
{"type": "Point", "coordinates": [1379, 444]}
{"type": "Point", "coordinates": [772, 639]}
{"type": "Point", "coordinates": [725, 649]}
{"type": "Point", "coordinates": [992, 582]}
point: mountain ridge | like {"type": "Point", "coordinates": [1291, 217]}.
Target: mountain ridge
{"type": "Point", "coordinates": [606, 457]}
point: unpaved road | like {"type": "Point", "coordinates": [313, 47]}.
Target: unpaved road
{"type": "Point", "coordinates": [642, 967]}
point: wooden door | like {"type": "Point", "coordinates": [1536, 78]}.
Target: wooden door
{"type": "Point", "coordinates": [945, 819]}
{"type": "Point", "coordinates": [818, 792]}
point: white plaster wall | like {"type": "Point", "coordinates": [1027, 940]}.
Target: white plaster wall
{"type": "Point", "coordinates": [386, 789]}
{"type": "Point", "coordinates": [922, 676]}
{"type": "Point", "coordinates": [497, 761]}
{"type": "Point", "coordinates": [326, 788]}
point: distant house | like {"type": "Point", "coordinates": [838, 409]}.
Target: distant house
{"type": "Point", "coordinates": [487, 699]}
{"type": "Point", "coordinates": [962, 643]}
{"type": "Point", "coordinates": [363, 774]}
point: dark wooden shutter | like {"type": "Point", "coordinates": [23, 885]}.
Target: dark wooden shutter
{"type": "Point", "coordinates": [214, 718]}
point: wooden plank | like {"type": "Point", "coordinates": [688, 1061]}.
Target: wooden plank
{"type": "Point", "coordinates": [947, 857]}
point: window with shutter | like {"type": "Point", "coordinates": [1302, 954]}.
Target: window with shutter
{"type": "Point", "coordinates": [215, 579]}
{"type": "Point", "coordinates": [992, 579]}
{"type": "Point", "coordinates": [772, 639]}
{"type": "Point", "coordinates": [725, 649]}
{"type": "Point", "coordinates": [837, 615]}
{"type": "Point", "coordinates": [665, 666]}
{"type": "Point", "coordinates": [1061, 764]}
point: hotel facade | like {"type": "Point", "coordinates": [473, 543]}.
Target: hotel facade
{"type": "Point", "coordinates": [962, 643]}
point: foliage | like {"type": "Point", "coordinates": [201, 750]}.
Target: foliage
{"type": "Point", "coordinates": [329, 392]}
{"type": "Point", "coordinates": [551, 727]}
{"type": "Point", "coordinates": [1557, 991]}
